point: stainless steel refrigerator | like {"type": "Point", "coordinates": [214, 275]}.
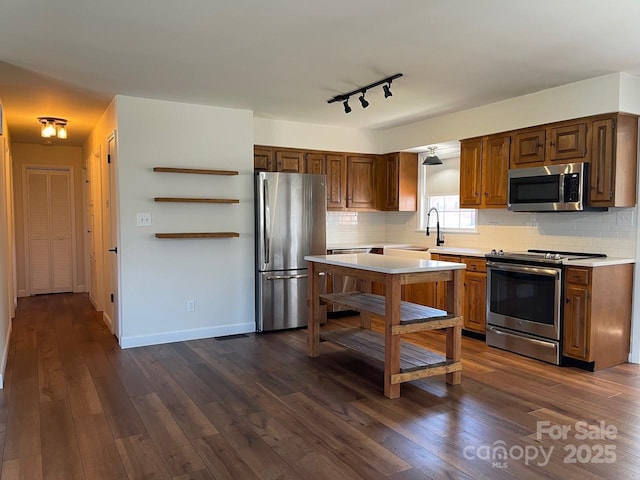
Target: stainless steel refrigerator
{"type": "Point", "coordinates": [290, 223]}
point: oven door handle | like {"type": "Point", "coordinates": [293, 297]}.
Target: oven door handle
{"type": "Point", "coordinates": [551, 272]}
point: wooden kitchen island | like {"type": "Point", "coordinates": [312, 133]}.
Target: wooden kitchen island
{"type": "Point", "coordinates": [403, 362]}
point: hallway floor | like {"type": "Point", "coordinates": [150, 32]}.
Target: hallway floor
{"type": "Point", "coordinates": [75, 406]}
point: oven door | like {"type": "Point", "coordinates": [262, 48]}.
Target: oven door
{"type": "Point", "coordinates": [524, 298]}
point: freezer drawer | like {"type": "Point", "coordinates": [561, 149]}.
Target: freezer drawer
{"type": "Point", "coordinates": [281, 300]}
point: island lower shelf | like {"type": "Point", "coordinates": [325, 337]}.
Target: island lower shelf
{"type": "Point", "coordinates": [413, 317]}
{"type": "Point", "coordinates": [415, 362]}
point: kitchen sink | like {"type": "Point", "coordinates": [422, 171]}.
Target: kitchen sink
{"type": "Point", "coordinates": [411, 251]}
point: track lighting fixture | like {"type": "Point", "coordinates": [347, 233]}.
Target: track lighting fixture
{"type": "Point", "coordinates": [363, 100]}
{"type": "Point", "coordinates": [432, 158]}
{"type": "Point", "coordinates": [344, 97]}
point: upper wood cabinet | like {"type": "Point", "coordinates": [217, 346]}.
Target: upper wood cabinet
{"type": "Point", "coordinates": [336, 181]}
{"type": "Point", "coordinates": [398, 182]}
{"type": "Point", "coordinates": [568, 142]}
{"type": "Point", "coordinates": [361, 182]}
{"type": "Point", "coordinates": [613, 165]}
{"type": "Point", "coordinates": [289, 161]}
{"type": "Point", "coordinates": [528, 147]}
{"type": "Point", "coordinates": [316, 163]}
{"type": "Point", "coordinates": [263, 159]}
{"type": "Point", "coordinates": [484, 166]}
{"type": "Point", "coordinates": [470, 172]}
{"type": "Point", "coordinates": [266, 159]}
{"type": "Point", "coordinates": [561, 142]}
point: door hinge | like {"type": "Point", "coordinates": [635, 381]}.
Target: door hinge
{"type": "Point", "coordinates": [112, 298]}
{"type": "Point", "coordinates": [108, 158]}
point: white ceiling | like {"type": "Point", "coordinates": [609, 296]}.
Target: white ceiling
{"type": "Point", "coordinates": [284, 59]}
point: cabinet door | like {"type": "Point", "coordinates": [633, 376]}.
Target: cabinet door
{"type": "Point", "coordinates": [576, 322]}
{"type": "Point", "coordinates": [470, 173]}
{"type": "Point", "coordinates": [336, 182]}
{"type": "Point", "coordinates": [390, 177]}
{"type": "Point", "coordinates": [316, 163]}
{"type": "Point", "coordinates": [475, 294]}
{"type": "Point", "coordinates": [263, 160]}
{"type": "Point", "coordinates": [602, 172]}
{"type": "Point", "coordinates": [443, 287]}
{"type": "Point", "coordinates": [290, 162]}
{"type": "Point", "coordinates": [528, 148]}
{"type": "Point", "coordinates": [496, 164]}
{"type": "Point", "coordinates": [361, 182]}
{"type": "Point", "coordinates": [568, 143]}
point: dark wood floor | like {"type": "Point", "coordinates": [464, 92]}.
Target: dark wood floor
{"type": "Point", "coordinates": [76, 406]}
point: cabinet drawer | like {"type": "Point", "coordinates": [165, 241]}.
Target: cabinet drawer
{"type": "Point", "coordinates": [578, 276]}
{"type": "Point", "coordinates": [475, 264]}
{"type": "Point", "coordinates": [449, 258]}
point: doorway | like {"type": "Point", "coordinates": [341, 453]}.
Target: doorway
{"type": "Point", "coordinates": [50, 227]}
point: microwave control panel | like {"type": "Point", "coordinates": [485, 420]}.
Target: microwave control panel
{"type": "Point", "coordinates": [572, 187]}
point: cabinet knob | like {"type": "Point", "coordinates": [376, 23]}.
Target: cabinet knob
{"type": "Point", "coordinates": [566, 300]}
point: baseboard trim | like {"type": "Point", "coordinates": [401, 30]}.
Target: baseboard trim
{"type": "Point", "coordinates": [107, 321]}
{"type": "Point", "coordinates": [184, 335]}
{"type": "Point", "coordinates": [79, 289]}
{"type": "Point", "coordinates": [5, 355]}
{"type": "Point", "coordinates": [22, 293]}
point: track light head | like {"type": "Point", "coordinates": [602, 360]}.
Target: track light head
{"type": "Point", "coordinates": [387, 90]}
{"type": "Point", "coordinates": [347, 108]}
{"type": "Point", "coordinates": [363, 100]}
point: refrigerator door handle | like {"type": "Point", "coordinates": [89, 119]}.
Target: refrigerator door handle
{"type": "Point", "coordinates": [267, 221]}
{"type": "Point", "coordinates": [287, 277]}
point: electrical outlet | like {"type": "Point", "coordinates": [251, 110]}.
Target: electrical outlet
{"type": "Point", "coordinates": [143, 219]}
{"type": "Point", "coordinates": [191, 305]}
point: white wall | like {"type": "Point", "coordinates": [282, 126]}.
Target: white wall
{"type": "Point", "coordinates": [278, 133]}
{"type": "Point", "coordinates": [7, 289]}
{"type": "Point", "coordinates": [159, 276]}
{"type": "Point", "coordinates": [579, 99]}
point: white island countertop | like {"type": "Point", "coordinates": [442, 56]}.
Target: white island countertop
{"type": "Point", "coordinates": [384, 263]}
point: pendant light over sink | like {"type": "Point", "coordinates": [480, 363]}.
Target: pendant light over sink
{"type": "Point", "coordinates": [432, 158]}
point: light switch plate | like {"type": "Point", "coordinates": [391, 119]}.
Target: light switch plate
{"type": "Point", "coordinates": [143, 219]}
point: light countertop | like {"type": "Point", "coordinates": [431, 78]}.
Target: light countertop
{"type": "Point", "coordinates": [465, 252]}
{"type": "Point", "coordinates": [384, 263]}
{"type": "Point", "coordinates": [598, 262]}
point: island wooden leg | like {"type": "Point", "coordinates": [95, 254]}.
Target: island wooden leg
{"type": "Point", "coordinates": [391, 342]}
{"type": "Point", "coordinates": [313, 312]}
{"type": "Point", "coordinates": [454, 334]}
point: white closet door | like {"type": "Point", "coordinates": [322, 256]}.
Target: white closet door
{"type": "Point", "coordinates": [49, 222]}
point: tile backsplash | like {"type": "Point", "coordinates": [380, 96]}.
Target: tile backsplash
{"type": "Point", "coordinates": [613, 232]}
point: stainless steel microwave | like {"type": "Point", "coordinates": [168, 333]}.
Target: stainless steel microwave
{"type": "Point", "coordinates": [554, 188]}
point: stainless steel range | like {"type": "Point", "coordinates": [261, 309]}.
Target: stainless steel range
{"type": "Point", "coordinates": [524, 301]}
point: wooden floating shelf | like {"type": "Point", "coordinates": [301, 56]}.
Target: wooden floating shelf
{"type": "Point", "coordinates": [199, 235]}
{"type": "Point", "coordinates": [196, 200]}
{"type": "Point", "coordinates": [199, 171]}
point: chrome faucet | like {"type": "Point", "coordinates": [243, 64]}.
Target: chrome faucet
{"type": "Point", "coordinates": [439, 238]}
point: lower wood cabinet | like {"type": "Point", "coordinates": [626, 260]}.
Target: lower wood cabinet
{"type": "Point", "coordinates": [597, 314]}
{"type": "Point", "coordinates": [475, 291]}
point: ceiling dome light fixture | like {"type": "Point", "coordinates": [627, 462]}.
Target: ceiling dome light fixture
{"type": "Point", "coordinates": [363, 100]}
{"type": "Point", "coordinates": [432, 158]}
{"type": "Point", "coordinates": [344, 97]}
{"type": "Point", "coordinates": [53, 127]}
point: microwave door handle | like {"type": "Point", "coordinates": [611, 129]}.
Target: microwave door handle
{"type": "Point", "coordinates": [561, 197]}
